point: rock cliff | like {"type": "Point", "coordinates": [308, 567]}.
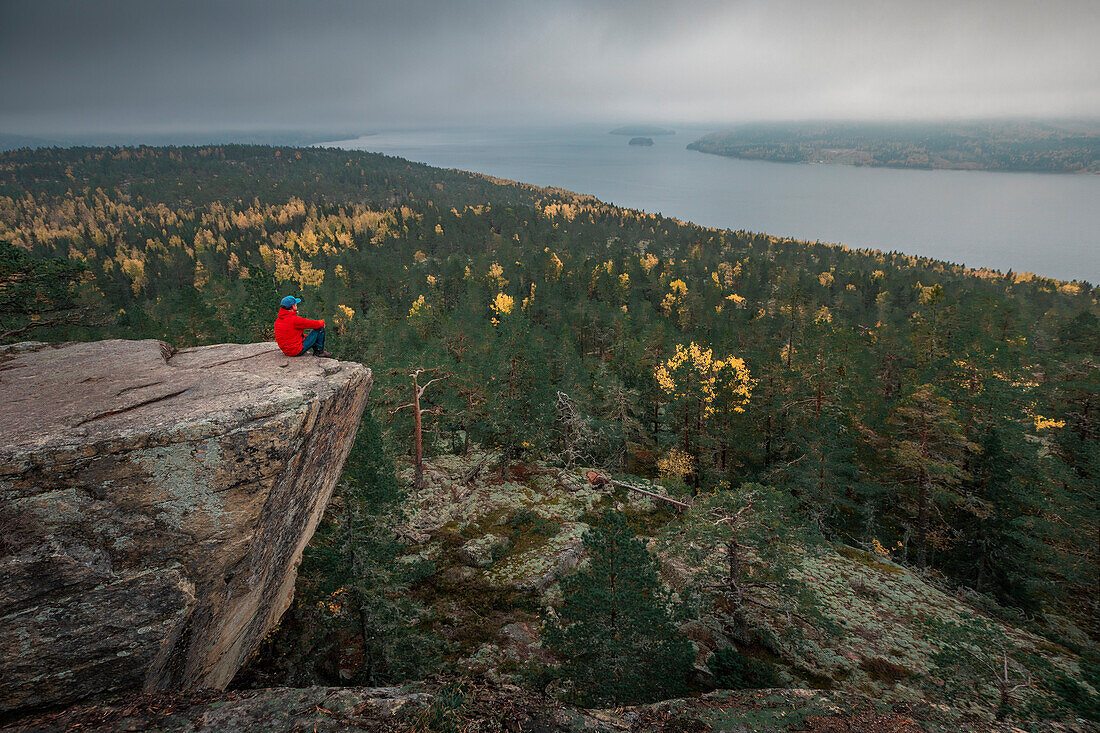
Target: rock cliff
{"type": "Point", "coordinates": [154, 506]}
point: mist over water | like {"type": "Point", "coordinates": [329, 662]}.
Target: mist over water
{"type": "Point", "coordinates": [1043, 223]}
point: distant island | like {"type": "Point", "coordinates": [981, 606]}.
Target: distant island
{"type": "Point", "coordinates": [1051, 147]}
{"type": "Point", "coordinates": [642, 130]}
{"type": "Point", "coordinates": [645, 141]}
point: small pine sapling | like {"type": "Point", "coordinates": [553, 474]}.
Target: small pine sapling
{"type": "Point", "coordinates": [617, 630]}
{"type": "Point", "coordinates": [975, 649]}
{"type": "Point", "coordinates": [754, 530]}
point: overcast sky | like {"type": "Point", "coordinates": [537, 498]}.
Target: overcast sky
{"type": "Point", "coordinates": [167, 66]}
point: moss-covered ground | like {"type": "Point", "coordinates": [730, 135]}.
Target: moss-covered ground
{"type": "Point", "coordinates": [865, 633]}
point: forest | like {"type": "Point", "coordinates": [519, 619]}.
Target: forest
{"type": "Point", "coordinates": [941, 417]}
{"type": "Point", "coordinates": [1049, 147]}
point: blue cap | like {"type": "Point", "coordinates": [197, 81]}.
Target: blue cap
{"type": "Point", "coordinates": [289, 302]}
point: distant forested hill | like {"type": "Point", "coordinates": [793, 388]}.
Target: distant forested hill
{"type": "Point", "coordinates": [1070, 147]}
{"type": "Point", "coordinates": [947, 414]}
{"type": "Point", "coordinates": [224, 137]}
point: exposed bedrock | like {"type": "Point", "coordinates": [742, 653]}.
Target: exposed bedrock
{"type": "Point", "coordinates": [154, 506]}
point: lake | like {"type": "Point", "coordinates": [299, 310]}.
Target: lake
{"type": "Point", "coordinates": [1043, 223]}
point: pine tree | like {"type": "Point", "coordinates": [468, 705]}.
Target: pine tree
{"type": "Point", "coordinates": [998, 551]}
{"type": "Point", "coordinates": [261, 294]}
{"type": "Point", "coordinates": [34, 293]}
{"type": "Point", "coordinates": [928, 451]}
{"type": "Point", "coordinates": [818, 450]}
{"type": "Point", "coordinates": [350, 576]}
{"type": "Point", "coordinates": [756, 529]}
{"type": "Point", "coordinates": [616, 630]}
{"type": "Point", "coordinates": [522, 410]}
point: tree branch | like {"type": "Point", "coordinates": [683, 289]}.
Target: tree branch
{"type": "Point", "coordinates": [28, 327]}
{"type": "Point", "coordinates": [429, 383]}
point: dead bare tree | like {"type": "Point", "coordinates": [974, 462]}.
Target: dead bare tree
{"type": "Point", "coordinates": [1011, 676]}
{"type": "Point", "coordinates": [620, 403]}
{"type": "Point", "coordinates": [418, 391]}
{"type": "Point", "coordinates": [736, 523]}
{"type": "Point", "coordinates": [576, 432]}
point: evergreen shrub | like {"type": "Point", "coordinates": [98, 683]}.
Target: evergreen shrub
{"type": "Point", "coordinates": [735, 671]}
{"type": "Point", "coordinates": [617, 629]}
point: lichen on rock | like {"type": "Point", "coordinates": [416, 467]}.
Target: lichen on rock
{"type": "Point", "coordinates": [481, 552]}
{"type": "Point", "coordinates": [155, 505]}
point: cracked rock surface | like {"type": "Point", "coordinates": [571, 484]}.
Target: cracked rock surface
{"type": "Point", "coordinates": [154, 506]}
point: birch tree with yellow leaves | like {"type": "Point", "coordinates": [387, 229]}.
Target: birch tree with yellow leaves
{"type": "Point", "coordinates": [698, 388]}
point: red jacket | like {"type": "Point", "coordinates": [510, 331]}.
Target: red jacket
{"type": "Point", "coordinates": [288, 331]}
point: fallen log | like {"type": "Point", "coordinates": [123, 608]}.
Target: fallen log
{"type": "Point", "coordinates": [598, 480]}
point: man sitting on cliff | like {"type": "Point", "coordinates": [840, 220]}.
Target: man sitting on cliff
{"type": "Point", "coordinates": [289, 327]}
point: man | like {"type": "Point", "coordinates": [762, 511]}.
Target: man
{"type": "Point", "coordinates": [289, 327]}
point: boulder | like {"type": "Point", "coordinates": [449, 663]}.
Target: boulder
{"type": "Point", "coordinates": [521, 643]}
{"type": "Point", "coordinates": [154, 506]}
{"type": "Point", "coordinates": [540, 566]}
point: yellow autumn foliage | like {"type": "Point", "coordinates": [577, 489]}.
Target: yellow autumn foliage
{"type": "Point", "coordinates": [694, 369]}
{"type": "Point", "coordinates": [134, 269]}
{"type": "Point", "coordinates": [420, 308]}
{"type": "Point", "coordinates": [344, 314]}
{"type": "Point", "coordinates": [1046, 423]}
{"type": "Point", "coordinates": [503, 304]}
{"type": "Point", "coordinates": [676, 464]}
{"type": "Point", "coordinates": [555, 266]}
{"type": "Point", "coordinates": [202, 276]}
{"type": "Point", "coordinates": [927, 293]}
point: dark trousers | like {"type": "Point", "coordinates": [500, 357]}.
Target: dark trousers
{"type": "Point", "coordinates": [315, 340]}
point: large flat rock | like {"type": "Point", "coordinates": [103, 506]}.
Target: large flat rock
{"type": "Point", "coordinates": [154, 506]}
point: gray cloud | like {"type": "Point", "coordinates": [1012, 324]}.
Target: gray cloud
{"type": "Point", "coordinates": [203, 65]}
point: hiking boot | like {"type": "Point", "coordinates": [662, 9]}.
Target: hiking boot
{"type": "Point", "coordinates": [324, 354]}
